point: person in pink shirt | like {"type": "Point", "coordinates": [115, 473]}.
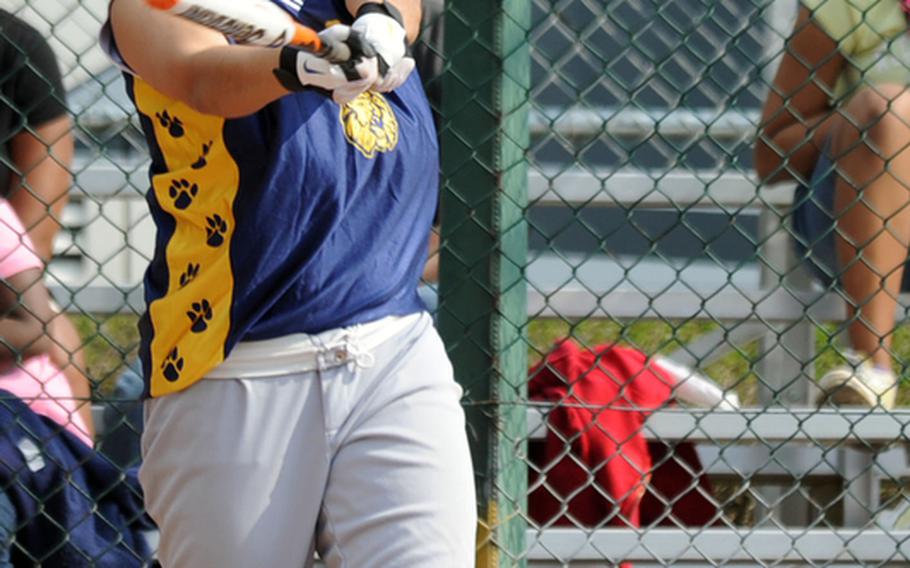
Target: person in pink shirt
{"type": "Point", "coordinates": [30, 359]}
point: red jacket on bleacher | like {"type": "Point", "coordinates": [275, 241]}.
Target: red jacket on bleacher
{"type": "Point", "coordinates": [604, 395]}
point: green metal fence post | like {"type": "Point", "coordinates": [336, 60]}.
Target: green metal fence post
{"type": "Point", "coordinates": [484, 244]}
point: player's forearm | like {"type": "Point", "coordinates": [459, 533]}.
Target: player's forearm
{"type": "Point", "coordinates": [231, 81]}
{"type": "Point", "coordinates": [193, 64]}
{"type": "Point", "coordinates": [410, 12]}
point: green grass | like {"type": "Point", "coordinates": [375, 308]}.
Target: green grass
{"type": "Point", "coordinates": [111, 342]}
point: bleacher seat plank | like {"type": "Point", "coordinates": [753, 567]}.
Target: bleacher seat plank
{"type": "Point", "coordinates": [627, 188]}
{"type": "Point", "coordinates": [586, 121]}
{"type": "Point", "coordinates": [767, 425]}
{"type": "Point", "coordinates": [99, 298]}
{"type": "Point", "coordinates": [805, 546]}
{"type": "Point", "coordinates": [730, 303]}
{"type": "Point", "coordinates": [104, 178]}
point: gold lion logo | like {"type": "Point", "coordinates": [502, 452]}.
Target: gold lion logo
{"type": "Point", "coordinates": [369, 124]}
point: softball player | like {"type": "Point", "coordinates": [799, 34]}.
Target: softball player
{"type": "Point", "coordinates": [300, 397]}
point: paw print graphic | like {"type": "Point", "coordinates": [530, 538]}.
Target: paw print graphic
{"type": "Point", "coordinates": [182, 192]}
{"type": "Point", "coordinates": [172, 365]}
{"type": "Point", "coordinates": [173, 124]}
{"type": "Point", "coordinates": [200, 313]}
{"type": "Point", "coordinates": [214, 233]}
{"type": "Point", "coordinates": [190, 274]}
{"type": "Point", "coordinates": [200, 162]}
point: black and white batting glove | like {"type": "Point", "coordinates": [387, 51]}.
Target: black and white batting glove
{"type": "Point", "coordinates": [345, 80]}
{"type": "Point", "coordinates": [382, 25]}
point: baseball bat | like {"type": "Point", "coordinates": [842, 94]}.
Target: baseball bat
{"type": "Point", "coordinates": [253, 22]}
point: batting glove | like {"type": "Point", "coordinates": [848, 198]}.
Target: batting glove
{"type": "Point", "coordinates": [345, 80]}
{"type": "Point", "coordinates": [383, 27]}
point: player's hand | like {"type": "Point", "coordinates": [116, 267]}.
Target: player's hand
{"type": "Point", "coordinates": [299, 69]}
{"type": "Point", "coordinates": [361, 66]}
{"type": "Point", "coordinates": [382, 26]}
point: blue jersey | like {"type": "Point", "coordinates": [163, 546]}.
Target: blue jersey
{"type": "Point", "coordinates": [302, 217]}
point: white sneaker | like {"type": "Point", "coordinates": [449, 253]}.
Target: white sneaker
{"type": "Point", "coordinates": [862, 385]}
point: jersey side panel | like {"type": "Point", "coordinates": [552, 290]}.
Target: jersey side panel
{"type": "Point", "coordinates": [191, 319]}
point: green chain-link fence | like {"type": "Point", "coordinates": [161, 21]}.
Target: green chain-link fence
{"type": "Point", "coordinates": [598, 186]}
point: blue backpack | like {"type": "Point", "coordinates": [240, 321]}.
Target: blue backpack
{"type": "Point", "coordinates": [73, 506]}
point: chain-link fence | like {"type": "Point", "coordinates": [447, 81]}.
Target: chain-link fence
{"type": "Point", "coordinates": [640, 325]}
{"type": "Point", "coordinates": [626, 153]}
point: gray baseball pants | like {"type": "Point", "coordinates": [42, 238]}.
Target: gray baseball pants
{"type": "Point", "coordinates": [363, 459]}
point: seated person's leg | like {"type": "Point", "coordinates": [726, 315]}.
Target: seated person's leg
{"type": "Point", "coordinates": [865, 244]}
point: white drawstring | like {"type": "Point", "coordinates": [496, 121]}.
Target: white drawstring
{"type": "Point", "coordinates": [362, 357]}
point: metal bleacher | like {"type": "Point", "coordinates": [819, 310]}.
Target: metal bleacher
{"type": "Point", "coordinates": [859, 449]}
{"type": "Point", "coordinates": [767, 449]}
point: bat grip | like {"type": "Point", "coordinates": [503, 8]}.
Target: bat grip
{"type": "Point", "coordinates": [358, 48]}
{"type": "Point", "coordinates": [335, 51]}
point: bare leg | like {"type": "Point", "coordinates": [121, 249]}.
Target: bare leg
{"type": "Point", "coordinates": [872, 149]}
